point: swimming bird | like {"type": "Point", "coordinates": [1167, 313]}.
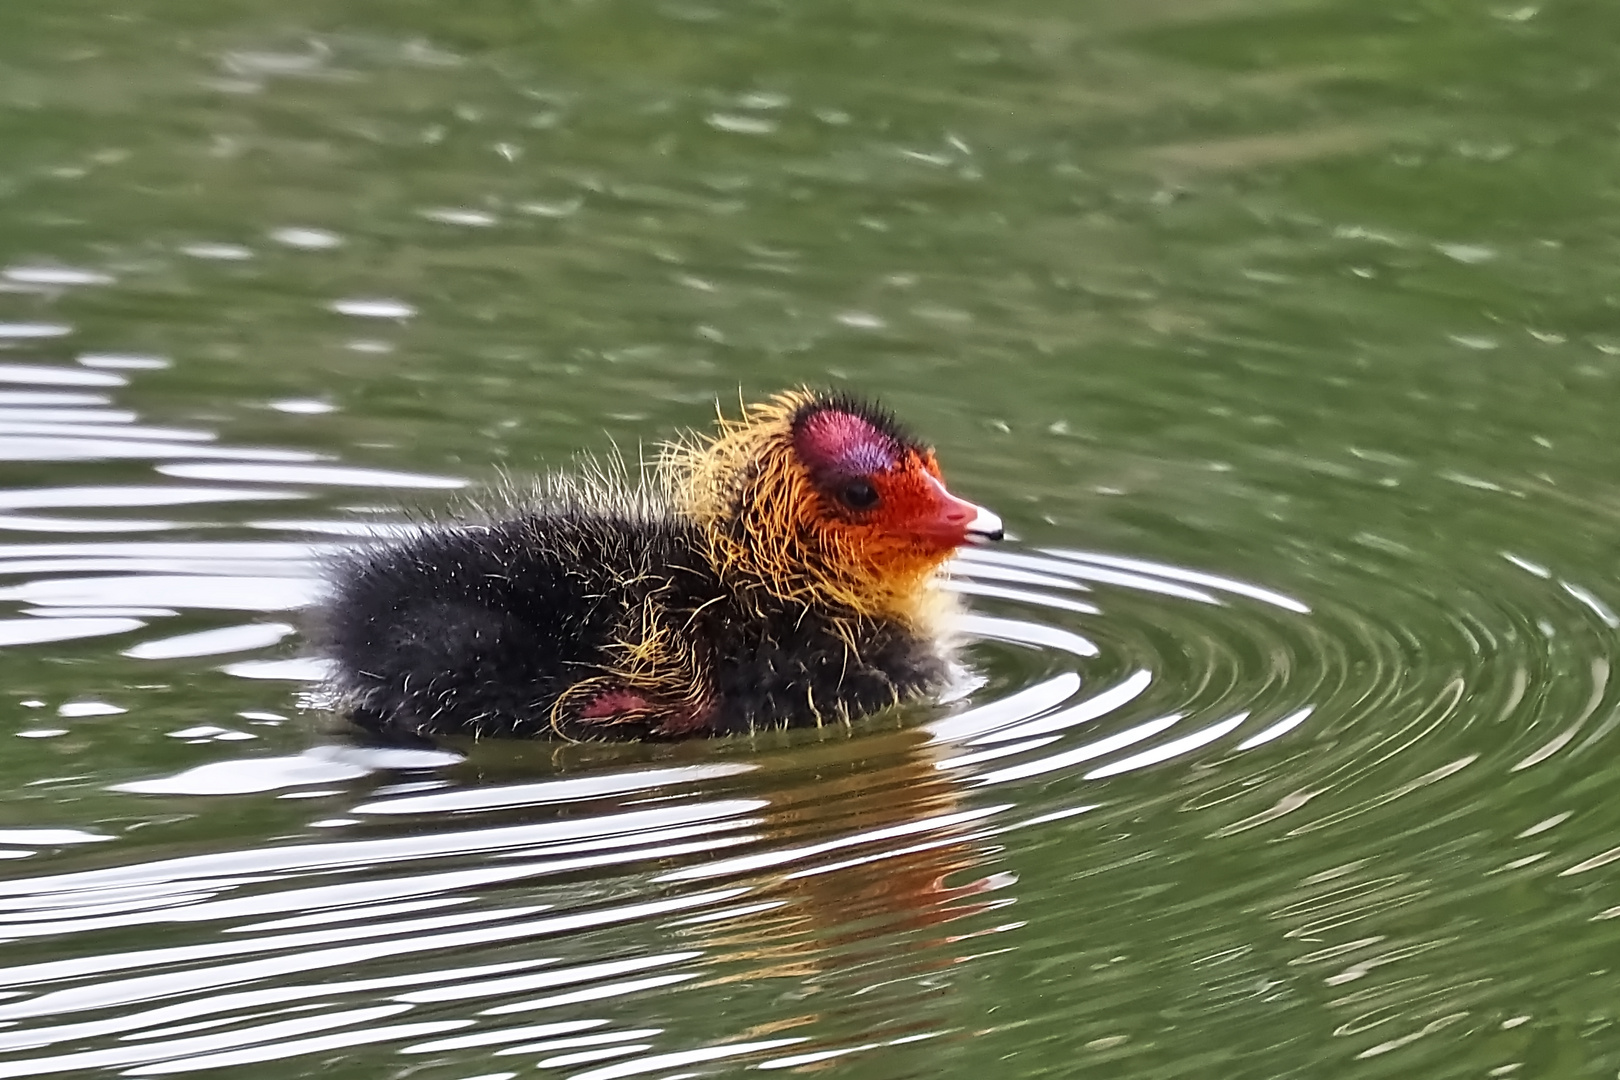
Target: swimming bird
{"type": "Point", "coordinates": [778, 572]}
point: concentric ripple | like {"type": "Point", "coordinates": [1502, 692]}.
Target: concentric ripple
{"type": "Point", "coordinates": [494, 908]}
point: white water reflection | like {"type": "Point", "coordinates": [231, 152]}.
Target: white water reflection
{"type": "Point", "coordinates": [102, 431]}
{"type": "Point", "coordinates": [1177, 573]}
{"type": "Point", "coordinates": [303, 406]}
{"type": "Point", "coordinates": [89, 708]}
{"type": "Point", "coordinates": [43, 411]}
{"type": "Point", "coordinates": [799, 855]}
{"type": "Point", "coordinates": [36, 523]}
{"type": "Point", "coordinates": [310, 474]}
{"type": "Point", "coordinates": [44, 397]}
{"type": "Point", "coordinates": [45, 375]}
{"type": "Point", "coordinates": [228, 639]}
{"type": "Point", "coordinates": [197, 591]}
{"type": "Point", "coordinates": [1022, 596]}
{"type": "Point", "coordinates": [1022, 705]}
{"type": "Point", "coordinates": [40, 631]}
{"type": "Point", "coordinates": [552, 791]}
{"type": "Point", "coordinates": [124, 361]}
{"type": "Point", "coordinates": [299, 669]}
{"type": "Point", "coordinates": [1025, 632]}
{"type": "Point", "coordinates": [1110, 700]}
{"type": "Point", "coordinates": [322, 765]}
{"type": "Point", "coordinates": [1081, 754]}
{"type": "Point", "coordinates": [1170, 750]}
{"type": "Point", "coordinates": [216, 251]}
{"type": "Point", "coordinates": [29, 331]}
{"type": "Point", "coordinates": [357, 529]}
{"type": "Point", "coordinates": [306, 238]}
{"type": "Point", "coordinates": [112, 448]}
{"type": "Point", "coordinates": [374, 308]}
{"type": "Point", "coordinates": [50, 837]}
{"type": "Point", "coordinates": [135, 495]}
{"type": "Point", "coordinates": [55, 276]}
{"type": "Point", "coordinates": [1278, 729]}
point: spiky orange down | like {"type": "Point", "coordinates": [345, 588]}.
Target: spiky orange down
{"type": "Point", "coordinates": [769, 528]}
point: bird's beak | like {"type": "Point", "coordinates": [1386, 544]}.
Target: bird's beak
{"type": "Point", "coordinates": [985, 525]}
{"type": "Point", "coordinates": [963, 521]}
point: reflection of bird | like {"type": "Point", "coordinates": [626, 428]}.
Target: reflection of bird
{"type": "Point", "coordinates": [777, 573]}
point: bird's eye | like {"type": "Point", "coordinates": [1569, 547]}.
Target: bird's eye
{"type": "Point", "coordinates": [859, 495]}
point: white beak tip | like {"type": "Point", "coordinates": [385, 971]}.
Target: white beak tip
{"type": "Point", "coordinates": [985, 526]}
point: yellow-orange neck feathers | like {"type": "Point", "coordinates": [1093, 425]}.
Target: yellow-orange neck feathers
{"type": "Point", "coordinates": [768, 527]}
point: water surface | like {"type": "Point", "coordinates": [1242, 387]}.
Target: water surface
{"type": "Point", "coordinates": [1281, 334]}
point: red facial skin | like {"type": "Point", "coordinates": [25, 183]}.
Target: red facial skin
{"type": "Point", "coordinates": [914, 502]}
{"type": "Point", "coordinates": [914, 515]}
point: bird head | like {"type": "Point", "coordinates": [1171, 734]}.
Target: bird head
{"type": "Point", "coordinates": [826, 496]}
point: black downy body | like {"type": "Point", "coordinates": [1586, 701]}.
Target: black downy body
{"type": "Point", "coordinates": [479, 628]}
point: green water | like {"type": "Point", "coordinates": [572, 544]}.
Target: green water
{"type": "Point", "coordinates": [1317, 298]}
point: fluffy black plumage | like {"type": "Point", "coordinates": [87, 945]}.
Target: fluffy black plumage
{"type": "Point", "coordinates": [480, 629]}
{"type": "Point", "coordinates": [775, 574]}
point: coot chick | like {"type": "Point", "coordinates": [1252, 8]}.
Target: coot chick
{"type": "Point", "coordinates": [777, 573]}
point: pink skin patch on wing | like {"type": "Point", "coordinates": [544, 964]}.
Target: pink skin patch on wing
{"type": "Point", "coordinates": [614, 705]}
{"type": "Point", "coordinates": [611, 703]}
{"type": "Point", "coordinates": [844, 443]}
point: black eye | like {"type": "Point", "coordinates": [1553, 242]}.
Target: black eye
{"type": "Point", "coordinates": [859, 495]}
